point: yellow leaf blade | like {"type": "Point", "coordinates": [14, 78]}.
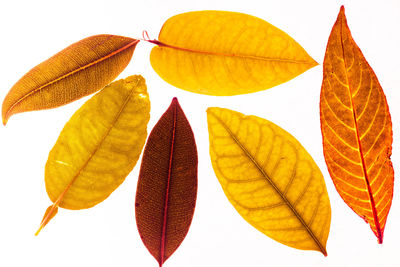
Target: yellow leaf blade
{"type": "Point", "coordinates": [226, 53]}
{"type": "Point", "coordinates": [99, 146]}
{"type": "Point", "coordinates": [78, 70]}
{"type": "Point", "coordinates": [270, 179]}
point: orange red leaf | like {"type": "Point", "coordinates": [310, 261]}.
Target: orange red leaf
{"type": "Point", "coordinates": [79, 70]}
{"type": "Point", "coordinates": [356, 129]}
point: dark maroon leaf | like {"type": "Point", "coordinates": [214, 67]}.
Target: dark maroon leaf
{"type": "Point", "coordinates": [167, 186]}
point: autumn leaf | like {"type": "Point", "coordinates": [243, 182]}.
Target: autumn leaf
{"type": "Point", "coordinates": [270, 179]}
{"type": "Point", "coordinates": [356, 129]}
{"type": "Point", "coordinates": [79, 70]}
{"type": "Point", "coordinates": [167, 186]}
{"type": "Point", "coordinates": [98, 147]}
{"type": "Point", "coordinates": [226, 53]}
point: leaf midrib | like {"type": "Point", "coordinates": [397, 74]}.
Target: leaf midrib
{"type": "Point", "coordinates": [42, 87]}
{"type": "Point", "coordinates": [161, 44]}
{"type": "Point", "coordinates": [166, 199]}
{"type": "Point", "coordinates": [287, 202]}
{"type": "Point", "coordinates": [361, 154]}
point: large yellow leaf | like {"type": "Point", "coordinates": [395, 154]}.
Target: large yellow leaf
{"type": "Point", "coordinates": [98, 147]}
{"type": "Point", "coordinates": [226, 53]}
{"type": "Point", "coordinates": [270, 179]}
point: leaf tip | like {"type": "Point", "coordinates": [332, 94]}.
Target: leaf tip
{"type": "Point", "coordinates": [341, 12]}
{"type": "Point", "coordinates": [175, 104]}
{"type": "Point", "coordinates": [322, 249]}
{"type": "Point", "coordinates": [315, 63]}
{"type": "Point", "coordinates": [325, 253]}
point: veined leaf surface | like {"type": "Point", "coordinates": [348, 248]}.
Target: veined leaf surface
{"type": "Point", "coordinates": [356, 129]}
{"type": "Point", "coordinates": [270, 179]}
{"type": "Point", "coordinates": [98, 147]}
{"type": "Point", "coordinates": [167, 186]}
{"type": "Point", "coordinates": [226, 53]}
{"type": "Point", "coordinates": [79, 70]}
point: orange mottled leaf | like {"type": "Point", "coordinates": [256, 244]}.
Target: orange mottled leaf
{"type": "Point", "coordinates": [356, 129]}
{"type": "Point", "coordinates": [78, 70]}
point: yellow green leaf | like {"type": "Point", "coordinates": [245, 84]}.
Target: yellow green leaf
{"type": "Point", "coordinates": [98, 147]}
{"type": "Point", "coordinates": [270, 179]}
{"type": "Point", "coordinates": [226, 53]}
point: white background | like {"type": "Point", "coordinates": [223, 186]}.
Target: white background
{"type": "Point", "coordinates": [106, 235]}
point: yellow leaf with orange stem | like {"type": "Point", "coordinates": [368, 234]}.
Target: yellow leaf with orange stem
{"type": "Point", "coordinates": [226, 53]}
{"type": "Point", "coordinates": [98, 147]}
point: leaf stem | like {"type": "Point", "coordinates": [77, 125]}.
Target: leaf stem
{"type": "Point", "coordinates": [49, 214]}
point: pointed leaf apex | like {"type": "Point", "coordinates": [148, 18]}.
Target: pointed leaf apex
{"type": "Point", "coordinates": [341, 13]}
{"type": "Point", "coordinates": [175, 104]}
{"type": "Point", "coordinates": [175, 101]}
{"type": "Point", "coordinates": [325, 253]}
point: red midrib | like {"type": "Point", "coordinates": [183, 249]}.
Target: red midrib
{"type": "Point", "coordinates": [164, 228]}
{"type": "Point", "coordinates": [371, 197]}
